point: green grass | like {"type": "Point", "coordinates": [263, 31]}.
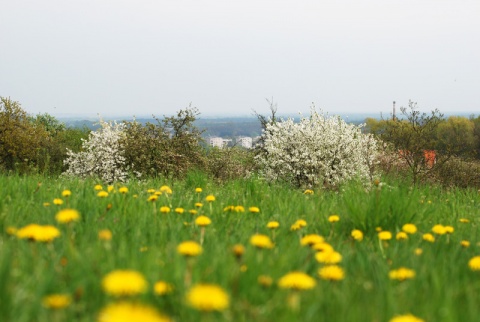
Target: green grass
{"type": "Point", "coordinates": [145, 240]}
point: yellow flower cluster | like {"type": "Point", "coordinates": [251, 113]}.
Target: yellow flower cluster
{"type": "Point", "coordinates": [124, 283]}
{"type": "Point", "coordinates": [208, 297]}
{"type": "Point", "coordinates": [38, 233]}
{"type": "Point", "coordinates": [297, 281]}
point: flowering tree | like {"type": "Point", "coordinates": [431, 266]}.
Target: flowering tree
{"type": "Point", "coordinates": [319, 150]}
{"type": "Point", "coordinates": [101, 155]}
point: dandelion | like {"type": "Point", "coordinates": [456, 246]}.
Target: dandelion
{"type": "Point", "coordinates": [110, 188]}
{"type": "Point", "coordinates": [162, 288]}
{"type": "Point", "coordinates": [229, 208]}
{"type": "Point", "coordinates": [332, 273]}
{"type": "Point", "coordinates": [401, 274]}
{"type": "Point", "coordinates": [164, 209]}
{"type": "Point", "coordinates": [301, 222]}
{"type": "Point", "coordinates": [357, 234]}
{"type": "Point", "coordinates": [202, 221]}
{"type": "Point", "coordinates": [295, 226]}
{"type": "Point", "coordinates": [123, 190]}
{"type": "Point", "coordinates": [449, 229]}
{"type": "Point", "coordinates": [323, 247]}
{"type": "Point", "coordinates": [439, 230]}
{"type": "Point", "coordinates": [273, 224]}
{"type": "Point", "coordinates": [105, 235]}
{"type": "Point", "coordinates": [124, 283]}
{"type": "Point", "coordinates": [297, 281]}
{"type": "Point", "coordinates": [157, 193]}
{"type": "Point", "coordinates": [56, 301]}
{"type": "Point", "coordinates": [254, 210]}
{"type": "Point", "coordinates": [333, 218]}
{"type": "Point", "coordinates": [385, 235]}
{"type": "Point", "coordinates": [401, 235]}
{"type": "Point", "coordinates": [125, 311]}
{"type": "Point", "coordinates": [12, 231]}
{"type": "Point", "coordinates": [409, 228]}
{"type": "Point", "coordinates": [261, 241]}
{"type": "Point", "coordinates": [66, 193]}
{"type": "Point", "coordinates": [311, 239]}
{"type": "Point", "coordinates": [465, 243]}
{"type": "Point", "coordinates": [328, 257]}
{"type": "Point", "coordinates": [189, 248]}
{"type": "Point", "coordinates": [193, 211]}
{"type": "Point", "coordinates": [239, 209]}
{"type": "Point", "coordinates": [308, 192]}
{"type": "Point", "coordinates": [418, 251]}
{"type": "Point", "coordinates": [198, 204]}
{"type": "Point", "coordinates": [102, 194]}
{"type": "Point", "coordinates": [151, 191]}
{"type": "Point", "coordinates": [210, 198]}
{"type": "Point", "coordinates": [208, 297]}
{"type": "Point", "coordinates": [405, 318]}
{"type": "Point", "coordinates": [464, 220]}
{"type": "Point", "coordinates": [166, 189]}
{"type": "Point", "coordinates": [265, 280]}
{"type": "Point", "coordinates": [179, 210]}
{"type": "Point", "coordinates": [46, 204]}
{"type": "Point", "coordinates": [98, 187]}
{"type": "Point", "coordinates": [238, 250]}
{"type": "Point", "coordinates": [198, 190]}
{"type": "Point", "coordinates": [428, 237]}
{"type": "Point", "coordinates": [57, 201]}
{"type": "Point", "coordinates": [474, 263]}
{"type": "Point", "coordinates": [152, 198]}
{"type": "Point", "coordinates": [38, 233]}
{"type": "Point", "coordinates": [66, 216]}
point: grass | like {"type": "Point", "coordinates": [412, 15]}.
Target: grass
{"type": "Point", "coordinates": [145, 240]}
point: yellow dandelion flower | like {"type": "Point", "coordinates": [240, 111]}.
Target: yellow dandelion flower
{"type": "Point", "coordinates": [162, 288]}
{"type": "Point", "coordinates": [265, 280]}
{"type": "Point", "coordinates": [152, 198]}
{"type": "Point", "coordinates": [202, 221]}
{"type": "Point", "coordinates": [401, 235]}
{"type": "Point", "coordinates": [125, 311]}
{"type": "Point", "coordinates": [193, 211]}
{"type": "Point", "coordinates": [157, 193]}
{"type": "Point", "coordinates": [164, 209]}
{"type": "Point", "coordinates": [151, 190]}
{"type": "Point", "coordinates": [409, 228]}
{"type": "Point", "coordinates": [322, 247]}
{"type": "Point", "coordinates": [56, 301]}
{"type": "Point", "coordinates": [385, 235]}
{"type": "Point", "coordinates": [179, 210]}
{"type": "Point", "coordinates": [474, 263]}
{"type": "Point", "coordinates": [439, 229]}
{"type": "Point", "coordinates": [311, 239]}
{"type": "Point", "coordinates": [405, 318]}
{"type": "Point", "coordinates": [261, 241]}
{"type": "Point", "coordinates": [189, 248]}
{"type": "Point", "coordinates": [166, 189]}
{"type": "Point", "coordinates": [12, 231]}
{"type": "Point", "coordinates": [38, 233]}
{"type": "Point", "coordinates": [229, 208]}
{"type": "Point", "coordinates": [308, 192]}
{"type": "Point", "coordinates": [210, 198]}
{"type": "Point", "coordinates": [464, 220]}
{"type": "Point", "coordinates": [254, 209]}
{"type": "Point", "coordinates": [297, 281]}
{"type": "Point", "coordinates": [418, 251]}
{"type": "Point", "coordinates": [198, 190]}
{"type": "Point", "coordinates": [295, 226]}
{"type": "Point", "coordinates": [378, 229]}
{"type": "Point", "coordinates": [102, 194]}
{"type": "Point", "coordinates": [465, 243]}
{"type": "Point", "coordinates": [124, 282]}
{"type": "Point", "coordinates": [239, 209]}
{"type": "Point", "coordinates": [198, 204]}
{"type": "Point", "coordinates": [208, 297]}
{"type": "Point", "coordinates": [332, 273]}
{"type": "Point", "coordinates": [333, 218]}
{"type": "Point", "coordinates": [357, 234]}
{"type": "Point", "coordinates": [428, 237]}
{"type": "Point", "coordinates": [273, 224]}
{"type": "Point", "coordinates": [105, 234]}
{"type": "Point", "coordinates": [57, 201]}
{"type": "Point", "coordinates": [449, 229]}
{"type": "Point", "coordinates": [66, 216]}
{"type": "Point", "coordinates": [238, 250]}
{"type": "Point", "coordinates": [401, 274]}
{"type": "Point", "coordinates": [98, 187]}
{"type": "Point", "coordinates": [123, 190]}
{"type": "Point", "coordinates": [328, 257]}
{"type": "Point", "coordinates": [66, 193]}
{"type": "Point", "coordinates": [110, 188]}
{"type": "Point", "coordinates": [301, 222]}
{"type": "Point", "coordinates": [46, 204]}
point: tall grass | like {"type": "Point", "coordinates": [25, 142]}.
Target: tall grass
{"type": "Point", "coordinates": [145, 240]}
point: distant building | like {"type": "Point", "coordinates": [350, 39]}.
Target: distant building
{"type": "Point", "coordinates": [218, 142]}
{"type": "Point", "coordinates": [244, 141]}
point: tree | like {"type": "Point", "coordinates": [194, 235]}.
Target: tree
{"type": "Point", "coordinates": [456, 137]}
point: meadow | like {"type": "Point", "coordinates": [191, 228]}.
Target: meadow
{"type": "Point", "coordinates": [353, 255]}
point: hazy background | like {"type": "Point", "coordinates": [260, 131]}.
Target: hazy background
{"type": "Point", "coordinates": [138, 57]}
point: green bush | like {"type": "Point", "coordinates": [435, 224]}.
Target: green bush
{"type": "Point", "coordinates": [229, 163]}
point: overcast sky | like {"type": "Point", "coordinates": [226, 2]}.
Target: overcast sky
{"type": "Point", "coordinates": [143, 57]}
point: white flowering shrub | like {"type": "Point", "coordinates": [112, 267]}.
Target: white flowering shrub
{"type": "Point", "coordinates": [318, 150]}
{"type": "Point", "coordinates": [101, 155]}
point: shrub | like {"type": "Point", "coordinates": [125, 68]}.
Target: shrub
{"type": "Point", "coordinates": [102, 155]}
{"type": "Point", "coordinates": [319, 150]}
{"type": "Point", "coordinates": [229, 163]}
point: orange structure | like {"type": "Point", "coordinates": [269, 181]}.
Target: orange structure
{"type": "Point", "coordinates": [429, 155]}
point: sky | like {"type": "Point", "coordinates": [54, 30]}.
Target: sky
{"type": "Point", "coordinates": [227, 58]}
